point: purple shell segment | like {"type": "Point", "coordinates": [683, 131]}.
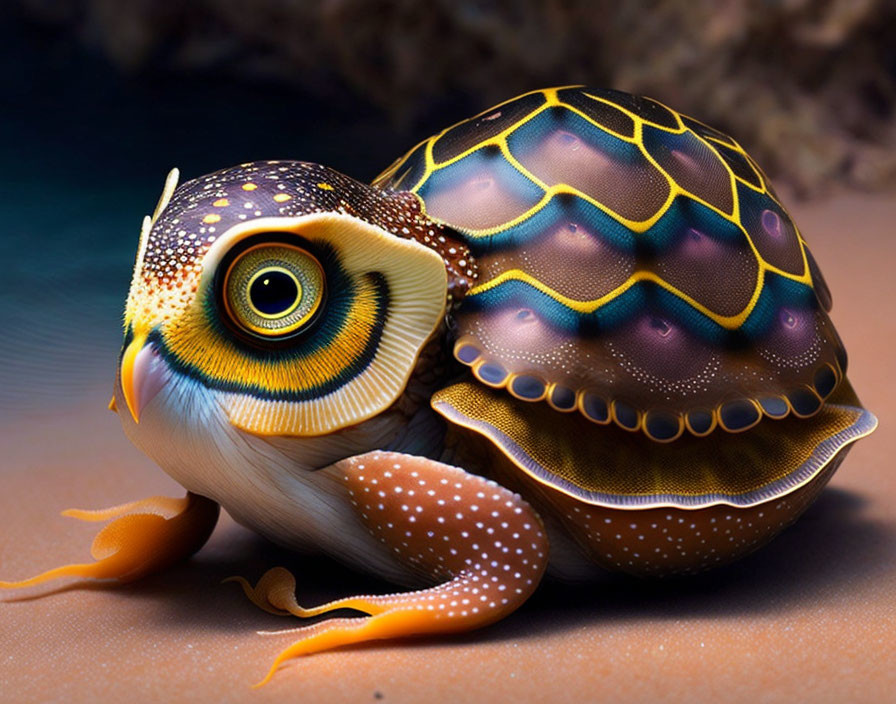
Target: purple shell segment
{"type": "Point", "coordinates": [700, 263]}
{"type": "Point", "coordinates": [692, 164]}
{"type": "Point", "coordinates": [559, 147]}
{"type": "Point", "coordinates": [480, 192]}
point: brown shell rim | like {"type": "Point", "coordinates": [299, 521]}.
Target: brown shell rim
{"type": "Point", "coordinates": [822, 455]}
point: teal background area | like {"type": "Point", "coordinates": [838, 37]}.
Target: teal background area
{"type": "Point", "coordinates": [84, 153]}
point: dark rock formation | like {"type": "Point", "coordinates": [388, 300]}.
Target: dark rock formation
{"type": "Point", "coordinates": [806, 85]}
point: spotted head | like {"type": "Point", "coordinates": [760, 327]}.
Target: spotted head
{"type": "Point", "coordinates": [295, 297]}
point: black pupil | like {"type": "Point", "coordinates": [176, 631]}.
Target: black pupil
{"type": "Point", "coordinates": [273, 293]}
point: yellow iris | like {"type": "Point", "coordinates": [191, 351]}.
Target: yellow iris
{"type": "Point", "coordinates": [273, 289]}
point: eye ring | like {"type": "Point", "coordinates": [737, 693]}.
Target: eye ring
{"type": "Point", "coordinates": [296, 295]}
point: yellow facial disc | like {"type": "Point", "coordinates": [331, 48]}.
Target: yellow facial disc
{"type": "Point", "coordinates": [273, 289]}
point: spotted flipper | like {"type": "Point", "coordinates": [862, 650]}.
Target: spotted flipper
{"type": "Point", "coordinates": [483, 545]}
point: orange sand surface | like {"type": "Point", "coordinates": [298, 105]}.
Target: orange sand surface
{"type": "Point", "coordinates": [812, 617]}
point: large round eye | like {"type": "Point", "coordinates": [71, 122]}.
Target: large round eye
{"type": "Point", "coordinates": [273, 290]}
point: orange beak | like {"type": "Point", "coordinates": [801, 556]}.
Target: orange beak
{"type": "Point", "coordinates": [131, 375]}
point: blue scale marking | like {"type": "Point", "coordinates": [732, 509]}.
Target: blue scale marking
{"type": "Point", "coordinates": [560, 211]}
{"type": "Point", "coordinates": [514, 293]}
{"type": "Point", "coordinates": [803, 401]}
{"type": "Point", "coordinates": [528, 387]}
{"type": "Point", "coordinates": [701, 421]}
{"type": "Point", "coordinates": [486, 162]}
{"type": "Point", "coordinates": [662, 426]}
{"type": "Point", "coordinates": [549, 122]}
{"type": "Point", "coordinates": [492, 372]}
{"type": "Point", "coordinates": [736, 415]}
{"type": "Point", "coordinates": [775, 407]}
{"type": "Point", "coordinates": [778, 291]}
{"type": "Point", "coordinates": [563, 397]}
{"type": "Point", "coordinates": [685, 213]}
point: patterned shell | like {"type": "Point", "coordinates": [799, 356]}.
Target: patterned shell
{"type": "Point", "coordinates": [633, 264]}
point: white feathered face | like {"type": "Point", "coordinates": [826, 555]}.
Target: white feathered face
{"type": "Point", "coordinates": [298, 297]}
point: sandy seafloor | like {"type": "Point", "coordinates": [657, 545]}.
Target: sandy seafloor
{"type": "Point", "coordinates": [811, 617]}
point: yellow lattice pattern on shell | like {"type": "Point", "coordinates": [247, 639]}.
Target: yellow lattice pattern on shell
{"type": "Point", "coordinates": [631, 259]}
{"type": "Point", "coordinates": [395, 178]}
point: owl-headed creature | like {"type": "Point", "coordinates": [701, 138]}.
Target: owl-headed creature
{"type": "Point", "coordinates": [577, 330]}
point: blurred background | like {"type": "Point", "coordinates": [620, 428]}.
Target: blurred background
{"type": "Point", "coordinates": [101, 98]}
